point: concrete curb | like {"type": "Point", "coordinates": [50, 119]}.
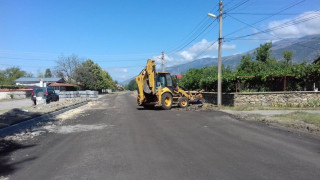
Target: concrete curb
{"type": "Point", "coordinates": [16, 128]}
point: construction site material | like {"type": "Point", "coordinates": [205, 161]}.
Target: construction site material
{"type": "Point", "coordinates": [75, 94]}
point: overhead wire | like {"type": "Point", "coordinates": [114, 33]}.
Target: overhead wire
{"type": "Point", "coordinates": [270, 33]}
{"type": "Point", "coordinates": [193, 35]}
{"type": "Point", "coordinates": [283, 25]}
{"type": "Point", "coordinates": [35, 59]}
{"type": "Point", "coordinates": [264, 14]}
{"type": "Point", "coordinates": [265, 18]}
{"type": "Point", "coordinates": [192, 40]}
{"type": "Point", "coordinates": [232, 8]}
{"type": "Point", "coordinates": [237, 6]}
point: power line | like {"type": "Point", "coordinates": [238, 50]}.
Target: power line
{"type": "Point", "coordinates": [204, 51]}
{"type": "Point", "coordinates": [283, 25]}
{"type": "Point", "coordinates": [236, 6]}
{"type": "Point", "coordinates": [192, 40]}
{"type": "Point", "coordinates": [8, 65]}
{"type": "Point", "coordinates": [265, 18]}
{"type": "Point", "coordinates": [251, 39]}
{"type": "Point", "coordinates": [268, 32]}
{"type": "Point", "coordinates": [263, 14]}
{"type": "Point", "coordinates": [198, 29]}
{"type": "Point", "coordinates": [35, 59]}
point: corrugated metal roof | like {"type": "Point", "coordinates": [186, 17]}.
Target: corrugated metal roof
{"type": "Point", "coordinates": [27, 79]}
{"type": "Point", "coordinates": [61, 84]}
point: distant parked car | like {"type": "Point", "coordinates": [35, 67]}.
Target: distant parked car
{"type": "Point", "coordinates": [42, 93]}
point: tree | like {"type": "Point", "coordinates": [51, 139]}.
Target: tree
{"type": "Point", "coordinates": [92, 76]}
{"type": "Point", "coordinates": [287, 55]}
{"type": "Point", "coordinates": [48, 73]}
{"type": "Point", "coordinates": [9, 75]}
{"type": "Point", "coordinates": [263, 52]}
{"type": "Point", "coordinates": [40, 74]}
{"type": "Point", "coordinates": [132, 85]}
{"type": "Point", "coordinates": [29, 75]}
{"type": "Point", "coordinates": [191, 80]}
{"type": "Point", "coordinates": [66, 66]}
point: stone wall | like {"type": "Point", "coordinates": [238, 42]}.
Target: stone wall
{"type": "Point", "coordinates": [290, 99]}
{"type": "Point", "coordinates": [211, 97]}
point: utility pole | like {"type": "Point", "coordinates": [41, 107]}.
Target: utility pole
{"type": "Point", "coordinates": [219, 56]}
{"type": "Point", "coordinates": [162, 61]}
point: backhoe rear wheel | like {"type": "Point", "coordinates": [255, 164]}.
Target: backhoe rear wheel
{"type": "Point", "coordinates": [183, 102]}
{"type": "Point", "coordinates": [166, 101]}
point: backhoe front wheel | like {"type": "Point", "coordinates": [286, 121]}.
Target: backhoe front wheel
{"type": "Point", "coordinates": [183, 102]}
{"type": "Point", "coordinates": [166, 101]}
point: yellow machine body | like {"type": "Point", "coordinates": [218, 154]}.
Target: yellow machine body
{"type": "Point", "coordinates": [156, 89]}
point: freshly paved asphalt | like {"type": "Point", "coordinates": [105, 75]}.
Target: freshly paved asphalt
{"type": "Point", "coordinates": [156, 144]}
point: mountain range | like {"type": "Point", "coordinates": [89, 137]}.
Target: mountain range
{"type": "Point", "coordinates": [306, 48]}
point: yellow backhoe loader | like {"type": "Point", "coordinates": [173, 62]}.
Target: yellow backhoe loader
{"type": "Point", "coordinates": [157, 89]}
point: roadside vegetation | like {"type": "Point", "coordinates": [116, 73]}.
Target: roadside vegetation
{"type": "Point", "coordinates": [131, 86]}
{"type": "Point", "coordinates": [257, 73]}
{"type": "Point", "coordinates": [310, 118]}
{"type": "Point", "coordinates": [72, 68]}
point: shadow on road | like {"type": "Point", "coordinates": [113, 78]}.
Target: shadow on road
{"type": "Point", "coordinates": [15, 116]}
{"type": "Point", "coordinates": [6, 148]}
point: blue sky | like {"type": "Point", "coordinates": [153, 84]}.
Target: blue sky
{"type": "Point", "coordinates": [121, 35]}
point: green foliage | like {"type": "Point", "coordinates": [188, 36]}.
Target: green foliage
{"type": "Point", "coordinates": [263, 52]}
{"type": "Point", "coordinates": [259, 75]}
{"type": "Point", "coordinates": [207, 78]}
{"type": "Point", "coordinates": [314, 103]}
{"type": "Point", "coordinates": [131, 86]}
{"type": "Point", "coordinates": [190, 80]}
{"type": "Point", "coordinates": [287, 55]}
{"type": "Point", "coordinates": [48, 73]}
{"type": "Point", "coordinates": [92, 77]}
{"type": "Point", "coordinates": [9, 75]}
{"type": "Point", "coordinates": [28, 75]}
{"type": "Point", "coordinates": [11, 86]}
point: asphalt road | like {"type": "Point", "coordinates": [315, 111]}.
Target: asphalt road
{"type": "Point", "coordinates": [132, 143]}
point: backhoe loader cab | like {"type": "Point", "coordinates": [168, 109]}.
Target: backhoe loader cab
{"type": "Point", "coordinates": [157, 89]}
{"type": "Point", "coordinates": [164, 79]}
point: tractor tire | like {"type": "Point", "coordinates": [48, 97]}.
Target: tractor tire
{"type": "Point", "coordinates": [166, 101]}
{"type": "Point", "coordinates": [183, 102]}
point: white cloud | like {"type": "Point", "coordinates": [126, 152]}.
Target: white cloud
{"type": "Point", "coordinates": [309, 27]}
{"type": "Point", "coordinates": [204, 45]}
{"type": "Point", "coordinates": [118, 70]}
{"type": "Point", "coordinates": [191, 53]}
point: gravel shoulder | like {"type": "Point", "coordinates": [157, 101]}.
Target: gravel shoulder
{"type": "Point", "coordinates": [17, 115]}
{"type": "Point", "coordinates": [306, 121]}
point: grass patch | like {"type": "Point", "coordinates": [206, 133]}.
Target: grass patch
{"type": "Point", "coordinates": [252, 108]}
{"type": "Point", "coordinates": [300, 116]}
